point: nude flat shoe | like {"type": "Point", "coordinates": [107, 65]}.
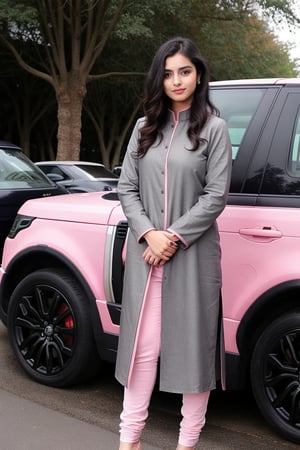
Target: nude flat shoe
{"type": "Point", "coordinates": [183, 447]}
{"type": "Point", "coordinates": [128, 446]}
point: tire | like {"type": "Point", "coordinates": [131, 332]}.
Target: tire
{"type": "Point", "coordinates": [50, 328]}
{"type": "Point", "coordinates": [275, 375]}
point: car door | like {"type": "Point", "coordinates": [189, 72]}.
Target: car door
{"type": "Point", "coordinates": [251, 238]}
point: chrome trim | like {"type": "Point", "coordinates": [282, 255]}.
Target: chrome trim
{"type": "Point", "coordinates": [108, 259]}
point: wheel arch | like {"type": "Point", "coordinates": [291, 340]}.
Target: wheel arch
{"type": "Point", "coordinates": [42, 257]}
{"type": "Point", "coordinates": [270, 305]}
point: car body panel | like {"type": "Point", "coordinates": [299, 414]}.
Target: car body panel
{"type": "Point", "coordinates": [252, 240]}
{"type": "Point", "coordinates": [91, 206]}
{"type": "Point", "coordinates": [246, 276]}
{"type": "Point", "coordinates": [67, 238]}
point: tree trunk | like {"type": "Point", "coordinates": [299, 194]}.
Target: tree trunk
{"type": "Point", "coordinates": [70, 94]}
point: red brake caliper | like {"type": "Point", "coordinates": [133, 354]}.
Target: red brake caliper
{"type": "Point", "coordinates": [69, 323]}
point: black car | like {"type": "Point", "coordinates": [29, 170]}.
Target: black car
{"type": "Point", "coordinates": [80, 176]}
{"type": "Point", "coordinates": [20, 180]}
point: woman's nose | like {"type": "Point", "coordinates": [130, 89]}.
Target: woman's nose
{"type": "Point", "coordinates": [176, 80]}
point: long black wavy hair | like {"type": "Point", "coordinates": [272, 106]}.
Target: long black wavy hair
{"type": "Point", "coordinates": [156, 103]}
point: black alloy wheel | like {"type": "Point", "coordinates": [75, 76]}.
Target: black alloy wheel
{"type": "Point", "coordinates": [275, 375]}
{"type": "Point", "coordinates": [49, 328]}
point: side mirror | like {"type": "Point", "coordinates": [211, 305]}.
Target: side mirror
{"type": "Point", "coordinates": [117, 170]}
{"type": "Point", "coordinates": [55, 177]}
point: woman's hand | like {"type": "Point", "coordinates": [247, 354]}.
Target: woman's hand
{"type": "Point", "coordinates": [161, 247]}
{"type": "Point", "coordinates": [151, 259]}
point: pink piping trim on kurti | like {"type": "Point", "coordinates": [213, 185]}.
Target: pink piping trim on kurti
{"type": "Point", "coordinates": [166, 173]}
{"type": "Point", "coordinates": [150, 271]}
{"type": "Point", "coordinates": [139, 326]}
{"type": "Point", "coordinates": [175, 118]}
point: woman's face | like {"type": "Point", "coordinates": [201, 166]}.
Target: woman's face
{"type": "Point", "coordinates": [180, 81]}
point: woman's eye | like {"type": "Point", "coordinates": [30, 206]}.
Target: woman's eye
{"type": "Point", "coordinates": [167, 74]}
{"type": "Point", "coordinates": [185, 72]}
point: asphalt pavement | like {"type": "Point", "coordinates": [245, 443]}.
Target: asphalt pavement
{"type": "Point", "coordinates": [26, 425]}
{"type": "Point", "coordinates": [86, 417]}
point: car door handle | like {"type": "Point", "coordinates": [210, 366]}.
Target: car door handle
{"type": "Point", "coordinates": [267, 232]}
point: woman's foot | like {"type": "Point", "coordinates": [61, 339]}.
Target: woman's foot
{"type": "Point", "coordinates": [130, 446]}
{"type": "Point", "coordinates": [183, 447]}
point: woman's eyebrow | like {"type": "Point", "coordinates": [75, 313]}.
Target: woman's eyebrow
{"type": "Point", "coordinates": [179, 68]}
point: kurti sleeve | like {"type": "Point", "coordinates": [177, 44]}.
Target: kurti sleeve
{"type": "Point", "coordinates": [128, 189]}
{"type": "Point", "coordinates": [201, 216]}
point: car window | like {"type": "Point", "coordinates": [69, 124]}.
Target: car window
{"type": "Point", "coordinates": [237, 107]}
{"type": "Point", "coordinates": [55, 170]}
{"type": "Point", "coordinates": [294, 159]}
{"type": "Point", "coordinates": [18, 172]}
{"type": "Point", "coordinates": [281, 174]}
{"type": "Point", "coordinates": [96, 171]}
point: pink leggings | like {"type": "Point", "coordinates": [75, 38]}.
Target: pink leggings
{"type": "Point", "coordinates": [137, 395]}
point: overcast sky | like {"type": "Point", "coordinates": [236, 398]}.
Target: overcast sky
{"type": "Point", "coordinates": [290, 36]}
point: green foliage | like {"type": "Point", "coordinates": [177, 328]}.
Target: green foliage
{"type": "Point", "coordinates": [240, 46]}
{"type": "Point", "coordinates": [281, 10]}
{"type": "Point", "coordinates": [133, 26]}
{"type": "Point", "coordinates": [140, 18]}
{"type": "Point", "coordinates": [17, 11]}
{"type": "Point", "coordinates": [231, 34]}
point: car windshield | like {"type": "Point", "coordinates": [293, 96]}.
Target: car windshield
{"type": "Point", "coordinates": [18, 172]}
{"type": "Point", "coordinates": [96, 171]}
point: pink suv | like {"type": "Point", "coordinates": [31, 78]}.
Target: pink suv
{"type": "Point", "coordinates": [62, 267]}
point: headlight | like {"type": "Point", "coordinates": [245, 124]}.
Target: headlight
{"type": "Point", "coordinates": [19, 224]}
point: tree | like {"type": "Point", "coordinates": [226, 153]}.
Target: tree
{"type": "Point", "coordinates": [112, 107]}
{"type": "Point", "coordinates": [69, 37]}
{"type": "Point", "coordinates": [237, 44]}
{"type": "Point", "coordinates": [29, 100]}
{"type": "Point", "coordinates": [25, 102]}
{"type": "Point", "coordinates": [65, 42]}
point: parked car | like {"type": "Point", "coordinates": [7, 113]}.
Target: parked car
{"type": "Point", "coordinates": [79, 176]}
{"type": "Point", "coordinates": [20, 180]}
{"type": "Point", "coordinates": [62, 270]}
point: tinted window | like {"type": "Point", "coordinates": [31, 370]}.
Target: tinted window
{"type": "Point", "coordinates": [96, 171]}
{"type": "Point", "coordinates": [294, 158]}
{"type": "Point", "coordinates": [237, 107]}
{"type": "Point", "coordinates": [18, 172]}
{"type": "Point", "coordinates": [281, 174]}
{"type": "Point", "coordinates": [55, 170]}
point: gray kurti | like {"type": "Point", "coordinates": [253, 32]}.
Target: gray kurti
{"type": "Point", "coordinates": [174, 188]}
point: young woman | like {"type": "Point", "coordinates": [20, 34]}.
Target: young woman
{"type": "Point", "coordinates": [173, 186]}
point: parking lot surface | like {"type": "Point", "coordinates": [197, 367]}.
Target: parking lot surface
{"type": "Point", "coordinates": [34, 417]}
